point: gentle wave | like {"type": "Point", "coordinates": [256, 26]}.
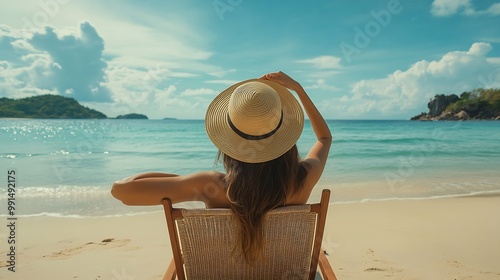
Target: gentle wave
{"type": "Point", "coordinates": [59, 192]}
{"type": "Point", "coordinates": [385, 140]}
{"type": "Point", "coordinates": [465, 195]}
{"type": "Point", "coordinates": [60, 215]}
{"type": "Point", "coordinates": [131, 212]}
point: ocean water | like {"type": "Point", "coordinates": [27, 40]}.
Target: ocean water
{"type": "Point", "coordinates": [66, 167]}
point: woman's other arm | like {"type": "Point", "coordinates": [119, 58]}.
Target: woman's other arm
{"type": "Point", "coordinates": [151, 188]}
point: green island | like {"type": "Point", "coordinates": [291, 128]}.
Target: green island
{"type": "Point", "coordinates": [47, 106]}
{"type": "Point", "coordinates": [478, 104]}
{"type": "Point", "coordinates": [51, 106]}
{"type": "Point", "coordinates": [133, 116]}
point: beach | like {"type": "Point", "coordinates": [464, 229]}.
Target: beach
{"type": "Point", "coordinates": [444, 238]}
{"type": "Point", "coordinates": [410, 200]}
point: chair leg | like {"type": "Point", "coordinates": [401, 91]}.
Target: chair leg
{"type": "Point", "coordinates": [325, 267]}
{"type": "Point", "coordinates": [170, 273]}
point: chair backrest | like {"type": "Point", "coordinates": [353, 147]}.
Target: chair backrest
{"type": "Point", "coordinates": [203, 241]}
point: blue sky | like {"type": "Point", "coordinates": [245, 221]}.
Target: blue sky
{"type": "Point", "coordinates": [357, 59]}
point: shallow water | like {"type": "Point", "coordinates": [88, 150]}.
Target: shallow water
{"type": "Point", "coordinates": [66, 167]}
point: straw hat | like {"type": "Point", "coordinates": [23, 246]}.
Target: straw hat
{"type": "Point", "coordinates": [254, 121]}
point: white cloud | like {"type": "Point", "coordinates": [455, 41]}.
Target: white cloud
{"type": "Point", "coordinates": [150, 92]}
{"type": "Point", "coordinates": [49, 61]}
{"type": "Point", "coordinates": [222, 82]}
{"type": "Point", "coordinates": [321, 84]}
{"type": "Point", "coordinates": [198, 91]}
{"type": "Point", "coordinates": [465, 7]}
{"type": "Point", "coordinates": [449, 7]}
{"type": "Point", "coordinates": [344, 98]}
{"type": "Point", "coordinates": [36, 61]}
{"type": "Point", "coordinates": [167, 96]}
{"type": "Point", "coordinates": [494, 9]}
{"type": "Point", "coordinates": [153, 92]}
{"type": "Point", "coordinates": [140, 91]}
{"type": "Point", "coordinates": [325, 67]}
{"type": "Point", "coordinates": [155, 60]}
{"type": "Point", "coordinates": [77, 56]}
{"type": "Point", "coordinates": [147, 37]}
{"type": "Point", "coordinates": [167, 104]}
{"type": "Point", "coordinates": [406, 92]}
{"type": "Point", "coordinates": [220, 72]}
{"type": "Point", "coordinates": [323, 62]}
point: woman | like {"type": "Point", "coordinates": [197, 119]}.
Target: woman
{"type": "Point", "coordinates": [255, 124]}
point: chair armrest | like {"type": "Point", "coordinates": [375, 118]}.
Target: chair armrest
{"type": "Point", "coordinates": [325, 267]}
{"type": "Point", "coordinates": [170, 273]}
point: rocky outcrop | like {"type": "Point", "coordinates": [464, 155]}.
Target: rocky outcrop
{"type": "Point", "coordinates": [422, 117]}
{"type": "Point", "coordinates": [439, 103]}
{"type": "Point", "coordinates": [436, 106]}
{"type": "Point", "coordinates": [449, 116]}
{"type": "Point", "coordinates": [462, 115]}
{"type": "Point", "coordinates": [479, 105]}
{"type": "Point", "coordinates": [444, 116]}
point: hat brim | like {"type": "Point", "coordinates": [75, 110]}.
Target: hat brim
{"type": "Point", "coordinates": [254, 151]}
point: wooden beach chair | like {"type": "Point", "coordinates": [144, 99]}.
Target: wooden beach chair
{"type": "Point", "coordinates": [203, 239]}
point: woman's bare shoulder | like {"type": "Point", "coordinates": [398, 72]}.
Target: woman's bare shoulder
{"type": "Point", "coordinates": [208, 177]}
{"type": "Point", "coordinates": [211, 188]}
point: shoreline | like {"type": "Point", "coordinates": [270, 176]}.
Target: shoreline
{"type": "Point", "coordinates": [350, 195]}
{"type": "Point", "coordinates": [143, 210]}
{"type": "Point", "coordinates": [437, 238]}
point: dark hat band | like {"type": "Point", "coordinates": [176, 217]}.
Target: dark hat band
{"type": "Point", "coordinates": [254, 137]}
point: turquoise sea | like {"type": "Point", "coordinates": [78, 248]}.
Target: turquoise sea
{"type": "Point", "coordinates": [66, 167]}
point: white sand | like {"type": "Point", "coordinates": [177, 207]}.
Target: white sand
{"type": "Point", "coordinates": [454, 238]}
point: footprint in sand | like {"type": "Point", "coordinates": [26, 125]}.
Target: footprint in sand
{"type": "Point", "coordinates": [385, 265]}
{"type": "Point", "coordinates": [454, 263]}
{"type": "Point", "coordinates": [490, 273]}
{"type": "Point", "coordinates": [105, 243]}
{"type": "Point", "coordinates": [375, 269]}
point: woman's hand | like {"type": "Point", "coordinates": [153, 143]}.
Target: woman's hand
{"type": "Point", "coordinates": [282, 79]}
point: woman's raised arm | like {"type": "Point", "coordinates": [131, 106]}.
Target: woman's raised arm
{"type": "Point", "coordinates": [318, 154]}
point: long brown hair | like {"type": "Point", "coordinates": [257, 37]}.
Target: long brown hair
{"type": "Point", "coordinates": [255, 188]}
